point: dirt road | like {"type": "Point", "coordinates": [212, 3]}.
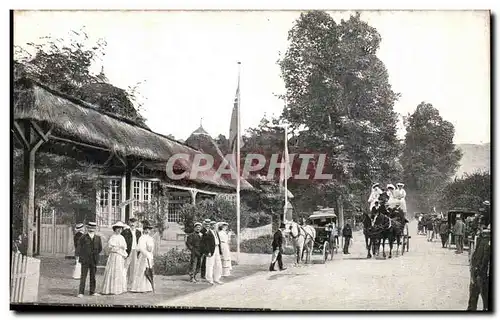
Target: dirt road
{"type": "Point", "coordinates": [426, 278]}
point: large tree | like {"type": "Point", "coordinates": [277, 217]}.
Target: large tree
{"type": "Point", "coordinates": [467, 192]}
{"type": "Point", "coordinates": [65, 65]}
{"type": "Point", "coordinates": [340, 99]}
{"type": "Point", "coordinates": [429, 157]}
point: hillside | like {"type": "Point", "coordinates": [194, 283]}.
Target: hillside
{"type": "Point", "coordinates": [475, 157]}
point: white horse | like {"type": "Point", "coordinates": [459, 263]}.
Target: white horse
{"type": "Point", "coordinates": [303, 239]}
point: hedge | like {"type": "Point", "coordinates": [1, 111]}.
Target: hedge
{"type": "Point", "coordinates": [173, 262]}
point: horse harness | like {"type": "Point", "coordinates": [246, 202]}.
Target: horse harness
{"type": "Point", "coordinates": [299, 234]}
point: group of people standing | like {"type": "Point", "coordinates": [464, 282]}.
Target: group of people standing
{"type": "Point", "coordinates": [392, 196]}
{"type": "Point", "coordinates": [130, 254]}
{"type": "Point", "coordinates": [210, 252]}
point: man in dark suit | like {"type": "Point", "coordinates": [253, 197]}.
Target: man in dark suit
{"type": "Point", "coordinates": [347, 234]}
{"type": "Point", "coordinates": [210, 245]}
{"type": "Point", "coordinates": [204, 229]}
{"type": "Point", "coordinates": [193, 243]}
{"type": "Point", "coordinates": [480, 266]}
{"type": "Point", "coordinates": [131, 236]}
{"type": "Point", "coordinates": [79, 232]}
{"type": "Point", "coordinates": [90, 247]}
{"type": "Point", "coordinates": [278, 248]}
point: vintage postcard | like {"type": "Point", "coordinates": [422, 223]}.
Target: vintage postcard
{"type": "Point", "coordinates": [251, 160]}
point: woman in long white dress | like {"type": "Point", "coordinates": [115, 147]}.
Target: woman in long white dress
{"type": "Point", "coordinates": [226, 252]}
{"type": "Point", "coordinates": [400, 195]}
{"type": "Point", "coordinates": [114, 281]}
{"type": "Point", "coordinates": [145, 246]}
{"type": "Point", "coordinates": [375, 193]}
{"type": "Point", "coordinates": [390, 192]}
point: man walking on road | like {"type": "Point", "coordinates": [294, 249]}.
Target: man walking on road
{"type": "Point", "coordinates": [347, 234]}
{"type": "Point", "coordinates": [443, 232]}
{"type": "Point", "coordinates": [480, 272]}
{"type": "Point", "coordinates": [459, 232]}
{"type": "Point", "coordinates": [277, 249]}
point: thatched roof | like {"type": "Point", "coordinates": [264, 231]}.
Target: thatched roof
{"type": "Point", "coordinates": [202, 141]}
{"type": "Point", "coordinates": [81, 122]}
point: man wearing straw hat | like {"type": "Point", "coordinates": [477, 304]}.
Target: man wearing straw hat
{"type": "Point", "coordinates": [277, 248]}
{"type": "Point", "coordinates": [204, 229]}
{"type": "Point", "coordinates": [90, 247]}
{"type": "Point", "coordinates": [212, 250]}
{"type": "Point", "coordinates": [193, 243]}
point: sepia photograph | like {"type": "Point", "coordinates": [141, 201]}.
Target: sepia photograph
{"type": "Point", "coordinates": [251, 160]}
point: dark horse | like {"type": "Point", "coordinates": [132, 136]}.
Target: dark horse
{"type": "Point", "coordinates": [383, 224]}
{"type": "Point", "coordinates": [367, 232]}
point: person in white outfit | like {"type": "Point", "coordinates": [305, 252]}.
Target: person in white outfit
{"type": "Point", "coordinates": [211, 247]}
{"type": "Point", "coordinates": [145, 247]}
{"type": "Point", "coordinates": [131, 236]}
{"type": "Point", "coordinates": [400, 196]}
{"type": "Point", "coordinates": [226, 252]}
{"type": "Point", "coordinates": [390, 193]}
{"type": "Point", "coordinates": [375, 193]}
{"type": "Point", "coordinates": [115, 279]}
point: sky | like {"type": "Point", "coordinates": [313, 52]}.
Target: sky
{"type": "Point", "coordinates": [187, 62]}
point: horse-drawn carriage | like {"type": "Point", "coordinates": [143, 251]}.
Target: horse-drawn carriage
{"type": "Point", "coordinates": [323, 221]}
{"type": "Point", "coordinates": [314, 235]}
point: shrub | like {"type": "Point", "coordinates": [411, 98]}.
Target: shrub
{"type": "Point", "coordinates": [173, 262]}
{"type": "Point", "coordinates": [259, 245]}
{"type": "Point", "coordinates": [257, 219]}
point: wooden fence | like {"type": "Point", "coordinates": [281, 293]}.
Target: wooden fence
{"type": "Point", "coordinates": [24, 278]}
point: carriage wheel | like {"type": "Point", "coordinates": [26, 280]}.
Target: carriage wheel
{"type": "Point", "coordinates": [326, 247]}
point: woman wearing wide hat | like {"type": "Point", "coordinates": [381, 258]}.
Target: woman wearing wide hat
{"type": "Point", "coordinates": [400, 195]}
{"type": "Point", "coordinates": [226, 252]}
{"type": "Point", "coordinates": [115, 281]}
{"type": "Point", "coordinates": [374, 195]}
{"type": "Point", "coordinates": [146, 245]}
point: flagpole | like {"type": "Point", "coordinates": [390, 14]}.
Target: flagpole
{"type": "Point", "coordinates": [285, 182]}
{"type": "Point", "coordinates": [238, 138]}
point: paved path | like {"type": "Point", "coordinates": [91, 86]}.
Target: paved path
{"type": "Point", "coordinates": [426, 278]}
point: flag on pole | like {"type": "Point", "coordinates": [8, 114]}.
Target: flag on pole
{"type": "Point", "coordinates": [235, 143]}
{"type": "Point", "coordinates": [234, 129]}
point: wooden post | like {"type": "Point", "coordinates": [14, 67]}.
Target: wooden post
{"type": "Point", "coordinates": [27, 132]}
{"type": "Point", "coordinates": [29, 176]}
{"type": "Point", "coordinates": [193, 196]}
{"type": "Point", "coordinates": [128, 192]}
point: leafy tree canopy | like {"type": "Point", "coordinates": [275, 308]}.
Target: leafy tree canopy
{"type": "Point", "coordinates": [429, 157]}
